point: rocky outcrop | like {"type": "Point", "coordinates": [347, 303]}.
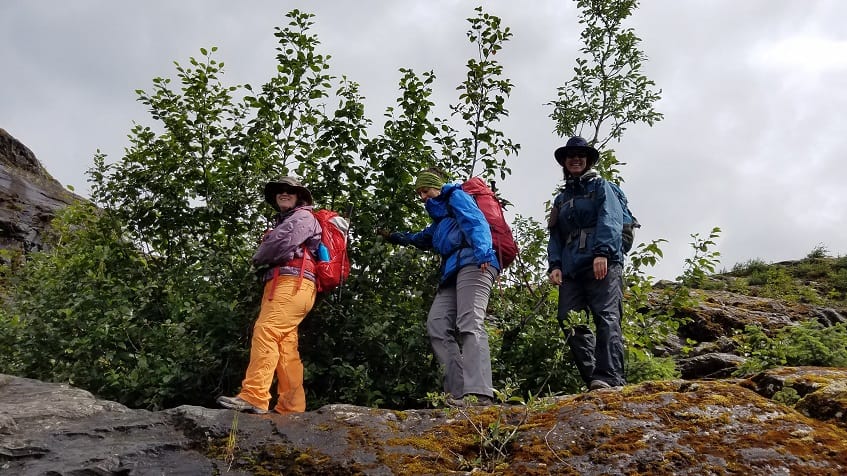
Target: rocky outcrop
{"type": "Point", "coordinates": [672, 427]}
{"type": "Point", "coordinates": [29, 196]}
{"type": "Point", "coordinates": [820, 393]}
{"type": "Point", "coordinates": [718, 315]}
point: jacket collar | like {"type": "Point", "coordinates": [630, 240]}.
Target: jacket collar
{"type": "Point", "coordinates": [438, 207]}
{"type": "Point", "coordinates": [581, 181]}
{"type": "Point", "coordinates": [280, 217]}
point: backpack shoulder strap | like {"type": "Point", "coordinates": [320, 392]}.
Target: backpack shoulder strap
{"type": "Point", "coordinates": [558, 201]}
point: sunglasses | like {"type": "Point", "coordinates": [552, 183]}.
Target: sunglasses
{"type": "Point", "coordinates": [286, 190]}
{"type": "Point", "coordinates": [577, 155]}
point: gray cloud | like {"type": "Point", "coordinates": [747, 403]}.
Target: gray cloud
{"type": "Point", "coordinates": [751, 140]}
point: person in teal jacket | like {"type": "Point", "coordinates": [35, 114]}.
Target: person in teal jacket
{"type": "Point", "coordinates": [469, 266]}
{"type": "Point", "coordinates": [585, 257]}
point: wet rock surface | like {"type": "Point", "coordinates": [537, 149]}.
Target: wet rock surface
{"type": "Point", "coordinates": [29, 196]}
{"type": "Point", "coordinates": [672, 427]}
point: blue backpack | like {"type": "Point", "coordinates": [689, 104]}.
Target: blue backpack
{"type": "Point", "coordinates": [630, 223]}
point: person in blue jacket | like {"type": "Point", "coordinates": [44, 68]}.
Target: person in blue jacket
{"type": "Point", "coordinates": [585, 259]}
{"type": "Point", "coordinates": [460, 233]}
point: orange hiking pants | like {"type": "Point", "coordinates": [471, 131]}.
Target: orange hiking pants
{"type": "Point", "coordinates": [274, 346]}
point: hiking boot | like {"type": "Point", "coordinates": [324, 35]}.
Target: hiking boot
{"type": "Point", "coordinates": [598, 384]}
{"type": "Point", "coordinates": [456, 402]}
{"type": "Point", "coordinates": [470, 400]}
{"type": "Point", "coordinates": [239, 404]}
{"type": "Point", "coordinates": [479, 400]}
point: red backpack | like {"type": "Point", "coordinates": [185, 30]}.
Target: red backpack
{"type": "Point", "coordinates": [501, 234]}
{"type": "Point", "coordinates": [332, 266]}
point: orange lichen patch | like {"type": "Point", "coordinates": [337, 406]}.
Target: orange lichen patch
{"type": "Point", "coordinates": [710, 424]}
{"type": "Point", "coordinates": [785, 439]}
{"type": "Point", "coordinates": [445, 443]}
{"type": "Point", "coordinates": [657, 428]}
{"type": "Point", "coordinates": [628, 441]}
{"type": "Point", "coordinates": [535, 448]}
{"type": "Point", "coordinates": [803, 380]}
{"type": "Point", "coordinates": [826, 374]}
{"type": "Point", "coordinates": [467, 438]}
{"type": "Point", "coordinates": [275, 459]}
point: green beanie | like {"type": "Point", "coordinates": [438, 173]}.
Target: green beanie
{"type": "Point", "coordinates": [428, 179]}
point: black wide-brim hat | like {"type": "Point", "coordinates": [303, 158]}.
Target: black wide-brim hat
{"type": "Point", "coordinates": [287, 184]}
{"type": "Point", "coordinates": [577, 144]}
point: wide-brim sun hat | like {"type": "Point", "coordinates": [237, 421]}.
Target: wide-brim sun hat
{"type": "Point", "coordinates": [274, 187]}
{"type": "Point", "coordinates": [577, 144]}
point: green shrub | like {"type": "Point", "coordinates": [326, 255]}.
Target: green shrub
{"type": "Point", "coordinates": [704, 261]}
{"type": "Point", "coordinates": [787, 396]}
{"type": "Point", "coordinates": [819, 251]}
{"type": "Point", "coordinates": [807, 343]}
{"type": "Point", "coordinates": [739, 285]}
{"type": "Point", "coordinates": [839, 280]}
{"type": "Point", "coordinates": [813, 269]}
{"type": "Point", "coordinates": [777, 283]}
{"type": "Point", "coordinates": [642, 367]}
{"type": "Point", "coordinates": [749, 267]}
{"type": "Point", "coordinates": [98, 314]}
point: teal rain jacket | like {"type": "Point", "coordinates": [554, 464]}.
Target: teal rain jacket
{"type": "Point", "coordinates": [459, 232]}
{"type": "Point", "coordinates": [586, 222]}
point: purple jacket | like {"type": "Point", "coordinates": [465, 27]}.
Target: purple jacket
{"type": "Point", "coordinates": [285, 242]}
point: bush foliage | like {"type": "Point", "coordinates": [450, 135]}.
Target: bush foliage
{"type": "Point", "coordinates": [807, 343]}
{"type": "Point", "coordinates": [146, 295]}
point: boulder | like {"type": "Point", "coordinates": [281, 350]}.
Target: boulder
{"type": "Point", "coordinates": [710, 365]}
{"type": "Point", "coordinates": [29, 196]}
{"type": "Point", "coordinates": [671, 427]}
{"type": "Point", "coordinates": [820, 392]}
{"type": "Point", "coordinates": [718, 315]}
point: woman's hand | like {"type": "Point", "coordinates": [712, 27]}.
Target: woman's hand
{"type": "Point", "coordinates": [601, 267]}
{"type": "Point", "coordinates": [265, 235]}
{"type": "Point", "coordinates": [555, 277]}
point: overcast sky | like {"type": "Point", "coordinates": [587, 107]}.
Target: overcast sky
{"type": "Point", "coordinates": [754, 95]}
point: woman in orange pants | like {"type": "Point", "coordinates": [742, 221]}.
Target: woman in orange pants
{"type": "Point", "coordinates": [288, 296]}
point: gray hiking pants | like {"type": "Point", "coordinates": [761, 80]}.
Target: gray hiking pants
{"type": "Point", "coordinates": [457, 333]}
{"type": "Point", "coordinates": [604, 299]}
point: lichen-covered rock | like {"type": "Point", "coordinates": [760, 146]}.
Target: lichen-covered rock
{"type": "Point", "coordinates": [821, 391]}
{"type": "Point", "coordinates": [674, 427]}
{"type": "Point", "coordinates": [721, 313]}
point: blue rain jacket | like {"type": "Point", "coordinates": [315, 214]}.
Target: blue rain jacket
{"type": "Point", "coordinates": [459, 232]}
{"type": "Point", "coordinates": [588, 224]}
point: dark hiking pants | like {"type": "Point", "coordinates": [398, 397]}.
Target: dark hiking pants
{"type": "Point", "coordinates": [599, 358]}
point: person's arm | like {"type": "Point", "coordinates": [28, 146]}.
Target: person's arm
{"type": "Point", "coordinates": [554, 246]}
{"type": "Point", "coordinates": [421, 239]}
{"type": "Point", "coordinates": [282, 242]}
